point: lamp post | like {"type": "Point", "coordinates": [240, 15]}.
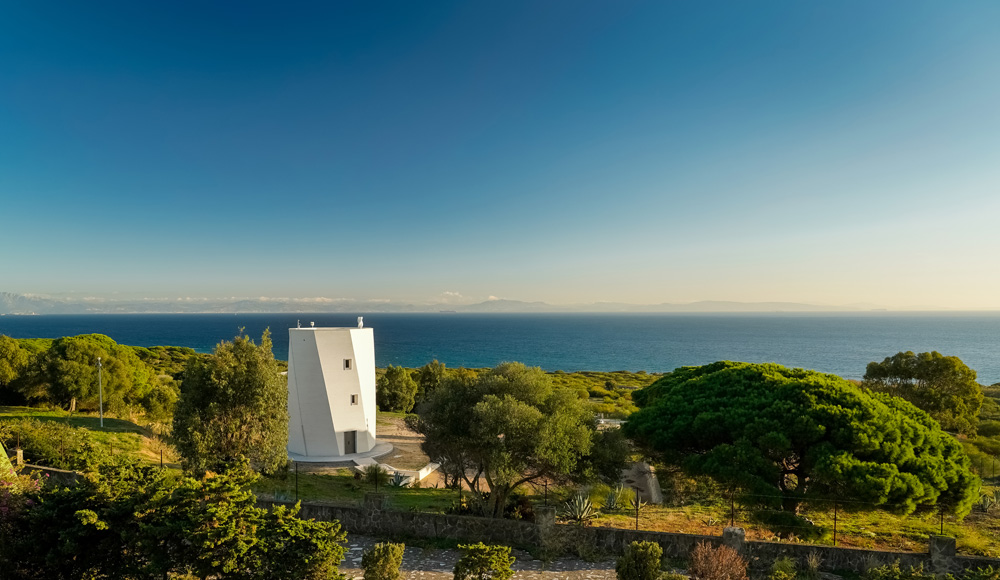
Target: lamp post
{"type": "Point", "coordinates": [100, 390]}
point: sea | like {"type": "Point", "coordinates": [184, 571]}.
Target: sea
{"type": "Point", "coordinates": [838, 343]}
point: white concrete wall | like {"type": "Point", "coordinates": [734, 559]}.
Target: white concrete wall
{"type": "Point", "coordinates": [320, 389]}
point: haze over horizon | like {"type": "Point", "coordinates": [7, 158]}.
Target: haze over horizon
{"type": "Point", "coordinates": [565, 152]}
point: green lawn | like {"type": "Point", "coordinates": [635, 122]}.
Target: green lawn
{"type": "Point", "coordinates": [342, 489]}
{"type": "Point", "coordinates": [116, 436]}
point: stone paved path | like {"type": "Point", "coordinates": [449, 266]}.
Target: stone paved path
{"type": "Point", "coordinates": [421, 564]}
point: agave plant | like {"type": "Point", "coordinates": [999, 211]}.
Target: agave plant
{"type": "Point", "coordinates": [399, 480]}
{"type": "Point", "coordinates": [986, 503]}
{"type": "Point", "coordinates": [613, 502]}
{"type": "Point", "coordinates": [637, 503]}
{"type": "Point", "coordinates": [579, 509]}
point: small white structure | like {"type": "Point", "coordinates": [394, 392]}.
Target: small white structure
{"type": "Point", "coordinates": [331, 393]}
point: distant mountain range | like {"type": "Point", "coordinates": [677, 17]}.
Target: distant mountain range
{"type": "Point", "coordinates": [14, 304]}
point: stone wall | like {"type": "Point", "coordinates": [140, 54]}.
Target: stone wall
{"type": "Point", "coordinates": [554, 539]}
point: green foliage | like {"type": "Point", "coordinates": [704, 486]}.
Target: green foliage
{"type": "Point", "coordinates": [233, 404]}
{"type": "Point", "coordinates": [508, 425]}
{"type": "Point", "coordinates": [67, 374]}
{"type": "Point", "coordinates": [795, 434]}
{"type": "Point", "coordinates": [988, 428]}
{"type": "Point", "coordinates": [641, 561]}
{"type": "Point", "coordinates": [52, 443]}
{"type": "Point", "coordinates": [429, 378]}
{"type": "Point", "coordinates": [13, 360]}
{"type": "Point", "coordinates": [399, 480]}
{"type": "Point", "coordinates": [894, 572]}
{"type": "Point", "coordinates": [943, 386]}
{"type": "Point", "coordinates": [382, 562]}
{"type": "Point", "coordinates": [610, 453]}
{"type": "Point", "coordinates": [610, 393]}
{"type": "Point", "coordinates": [127, 521]}
{"type": "Point", "coordinates": [395, 390]}
{"type": "Point", "coordinates": [167, 360]}
{"type": "Point", "coordinates": [5, 466]}
{"type": "Point", "coordinates": [719, 563]}
{"type": "Point", "coordinates": [375, 474]}
{"type": "Point", "coordinates": [579, 508]}
{"type": "Point", "coordinates": [482, 562]}
{"type": "Point", "coordinates": [782, 569]}
{"type": "Point", "coordinates": [615, 498]}
{"type": "Point", "coordinates": [987, 573]}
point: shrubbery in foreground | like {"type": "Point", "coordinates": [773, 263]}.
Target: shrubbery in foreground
{"type": "Point", "coordinates": [641, 561]}
{"type": "Point", "coordinates": [382, 562]}
{"type": "Point", "coordinates": [720, 563]}
{"type": "Point", "coordinates": [128, 521]}
{"type": "Point", "coordinates": [482, 562]}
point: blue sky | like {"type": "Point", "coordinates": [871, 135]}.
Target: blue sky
{"type": "Point", "coordinates": [643, 152]}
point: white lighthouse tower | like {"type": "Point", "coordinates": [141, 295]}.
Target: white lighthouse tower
{"type": "Point", "coordinates": [331, 393]}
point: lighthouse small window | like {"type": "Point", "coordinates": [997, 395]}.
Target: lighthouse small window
{"type": "Point", "coordinates": [347, 364]}
{"type": "Point", "coordinates": [354, 399]}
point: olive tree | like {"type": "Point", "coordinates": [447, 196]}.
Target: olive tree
{"type": "Point", "coordinates": [505, 428]}
{"type": "Point", "coordinates": [794, 435]}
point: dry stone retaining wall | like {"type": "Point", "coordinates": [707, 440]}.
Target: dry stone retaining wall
{"type": "Point", "coordinates": [373, 520]}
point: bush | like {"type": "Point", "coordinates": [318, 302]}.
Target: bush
{"type": "Point", "coordinates": [482, 562]}
{"type": "Point", "coordinates": [383, 561]}
{"type": "Point", "coordinates": [894, 572]}
{"type": "Point", "coordinates": [375, 474]}
{"type": "Point", "coordinates": [782, 569]}
{"type": "Point", "coordinates": [987, 573]}
{"type": "Point", "coordinates": [641, 561]}
{"type": "Point", "coordinates": [721, 563]}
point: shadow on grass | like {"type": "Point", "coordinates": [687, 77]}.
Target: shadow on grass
{"type": "Point", "coordinates": [76, 420]}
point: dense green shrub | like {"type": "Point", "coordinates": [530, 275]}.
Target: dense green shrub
{"type": "Point", "coordinates": [125, 520]}
{"type": "Point", "coordinates": [720, 563]}
{"type": "Point", "coordinates": [782, 569]}
{"type": "Point", "coordinates": [482, 562]}
{"type": "Point", "coordinates": [233, 404]}
{"type": "Point", "coordinates": [382, 562]}
{"type": "Point", "coordinates": [375, 474]}
{"type": "Point", "coordinates": [641, 561]}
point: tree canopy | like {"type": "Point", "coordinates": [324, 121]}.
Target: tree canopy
{"type": "Point", "coordinates": [233, 404]}
{"type": "Point", "coordinates": [506, 427]}
{"type": "Point", "coordinates": [67, 373]}
{"type": "Point", "coordinates": [941, 385]}
{"type": "Point", "coordinates": [429, 378]}
{"type": "Point", "coordinates": [13, 359]}
{"type": "Point", "coordinates": [794, 434]}
{"type": "Point", "coordinates": [395, 390]}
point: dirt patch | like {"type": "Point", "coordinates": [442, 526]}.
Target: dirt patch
{"type": "Point", "coordinates": [406, 452]}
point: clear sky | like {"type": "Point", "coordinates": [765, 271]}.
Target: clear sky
{"type": "Point", "coordinates": [566, 151]}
